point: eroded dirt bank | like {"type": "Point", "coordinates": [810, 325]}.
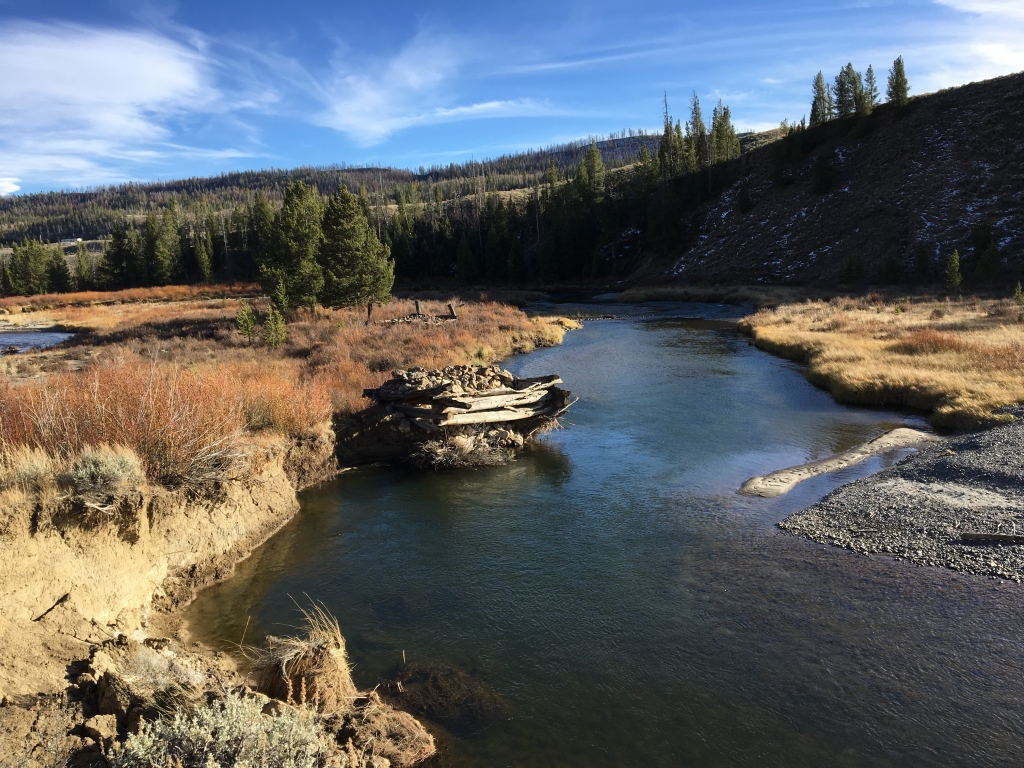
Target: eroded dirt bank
{"type": "Point", "coordinates": [74, 575]}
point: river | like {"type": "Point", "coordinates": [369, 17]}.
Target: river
{"type": "Point", "coordinates": [625, 604]}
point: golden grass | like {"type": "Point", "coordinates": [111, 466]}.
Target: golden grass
{"type": "Point", "coordinates": [175, 383]}
{"type": "Point", "coordinates": [959, 361]}
{"type": "Point", "coordinates": [18, 304]}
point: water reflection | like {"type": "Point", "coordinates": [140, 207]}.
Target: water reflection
{"type": "Point", "coordinates": [627, 605]}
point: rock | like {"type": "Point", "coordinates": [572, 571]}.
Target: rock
{"type": "Point", "coordinates": [102, 728]}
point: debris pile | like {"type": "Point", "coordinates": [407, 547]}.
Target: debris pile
{"type": "Point", "coordinates": [462, 395]}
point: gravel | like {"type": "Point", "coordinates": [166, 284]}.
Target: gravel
{"type": "Point", "coordinates": [918, 509]}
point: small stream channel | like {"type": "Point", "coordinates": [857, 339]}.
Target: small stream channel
{"type": "Point", "coordinates": [626, 605]}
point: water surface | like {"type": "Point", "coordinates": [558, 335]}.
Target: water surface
{"type": "Point", "coordinates": [627, 605]}
{"type": "Point", "coordinates": [23, 340]}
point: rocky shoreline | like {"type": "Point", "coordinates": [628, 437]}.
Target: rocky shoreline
{"type": "Point", "coordinates": [958, 504]}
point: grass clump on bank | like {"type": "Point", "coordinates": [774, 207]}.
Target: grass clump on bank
{"type": "Point", "coordinates": [957, 360]}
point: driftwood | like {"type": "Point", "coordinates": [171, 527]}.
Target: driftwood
{"type": "Point", "coordinates": [508, 399]}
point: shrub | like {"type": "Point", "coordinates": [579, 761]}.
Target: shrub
{"type": "Point", "coordinates": [102, 470]}
{"type": "Point", "coordinates": [929, 341]}
{"type": "Point", "coordinates": [823, 174]}
{"type": "Point", "coordinates": [231, 733]}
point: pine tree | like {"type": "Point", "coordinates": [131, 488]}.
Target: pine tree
{"type": "Point", "coordinates": [871, 97]}
{"type": "Point", "coordinates": [356, 266]}
{"type": "Point", "coordinates": [822, 109]}
{"type": "Point", "coordinates": [58, 273]}
{"type": "Point", "coordinates": [291, 258]}
{"type": "Point", "coordinates": [162, 247]}
{"type": "Point", "coordinates": [724, 142]}
{"type": "Point", "coordinates": [274, 330]}
{"type": "Point", "coordinates": [28, 269]}
{"type": "Point", "coordinates": [245, 321]}
{"type": "Point", "coordinates": [846, 90]}
{"type": "Point", "coordinates": [699, 134]}
{"type": "Point", "coordinates": [953, 276]}
{"type": "Point", "coordinates": [898, 90]}
{"type": "Point", "coordinates": [83, 269]}
{"type": "Point", "coordinates": [122, 264]}
{"type": "Point", "coordinates": [1018, 295]}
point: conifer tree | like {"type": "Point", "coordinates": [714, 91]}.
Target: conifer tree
{"type": "Point", "coordinates": [274, 330]}
{"type": "Point", "coordinates": [357, 268]}
{"type": "Point", "coordinates": [245, 321]}
{"type": "Point", "coordinates": [162, 248]}
{"type": "Point", "coordinates": [1018, 295]}
{"type": "Point", "coordinates": [83, 269]}
{"type": "Point", "coordinates": [122, 262]}
{"type": "Point", "coordinates": [290, 261]}
{"type": "Point", "coordinates": [898, 90]}
{"type": "Point", "coordinates": [822, 109]}
{"type": "Point", "coordinates": [28, 269]}
{"type": "Point", "coordinates": [724, 142]}
{"type": "Point", "coordinates": [953, 276]}
{"type": "Point", "coordinates": [699, 134]}
{"type": "Point", "coordinates": [58, 273]}
{"type": "Point", "coordinates": [871, 97]}
{"type": "Point", "coordinates": [848, 91]}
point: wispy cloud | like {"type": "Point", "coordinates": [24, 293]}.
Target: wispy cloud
{"type": "Point", "coordinates": [81, 101]}
{"type": "Point", "coordinates": [999, 8]}
{"type": "Point", "coordinates": [417, 86]}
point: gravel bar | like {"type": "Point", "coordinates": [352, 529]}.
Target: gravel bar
{"type": "Point", "coordinates": [919, 509]}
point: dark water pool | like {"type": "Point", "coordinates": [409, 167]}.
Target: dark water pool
{"type": "Point", "coordinates": [628, 607]}
{"type": "Point", "coordinates": [22, 340]}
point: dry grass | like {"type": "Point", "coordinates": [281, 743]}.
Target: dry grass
{"type": "Point", "coordinates": [178, 386]}
{"type": "Point", "coordinates": [957, 360]}
{"type": "Point", "coordinates": [17, 304]}
{"type": "Point", "coordinates": [310, 668]}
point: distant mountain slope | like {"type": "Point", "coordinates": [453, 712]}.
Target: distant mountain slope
{"type": "Point", "coordinates": [93, 214]}
{"type": "Point", "coordinates": [908, 187]}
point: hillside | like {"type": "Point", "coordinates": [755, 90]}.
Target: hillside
{"type": "Point", "coordinates": [93, 214]}
{"type": "Point", "coordinates": [908, 187]}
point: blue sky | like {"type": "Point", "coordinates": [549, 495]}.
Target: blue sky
{"type": "Point", "coordinates": [97, 92]}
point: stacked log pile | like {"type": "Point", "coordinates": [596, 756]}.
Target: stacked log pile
{"type": "Point", "coordinates": [460, 396]}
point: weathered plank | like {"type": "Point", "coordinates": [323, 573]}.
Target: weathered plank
{"type": "Point", "coordinates": [488, 417]}
{"type": "Point", "coordinates": [473, 405]}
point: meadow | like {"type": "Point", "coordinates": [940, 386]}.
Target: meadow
{"type": "Point", "coordinates": [175, 386]}
{"type": "Point", "coordinates": [959, 361]}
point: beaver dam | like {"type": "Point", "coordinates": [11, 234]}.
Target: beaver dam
{"type": "Point", "coordinates": [459, 416]}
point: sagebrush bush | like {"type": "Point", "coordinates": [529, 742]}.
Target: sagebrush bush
{"type": "Point", "coordinates": [102, 469]}
{"type": "Point", "coordinates": [230, 733]}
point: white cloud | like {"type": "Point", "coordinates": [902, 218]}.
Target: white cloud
{"type": "Point", "coordinates": [371, 103]}
{"type": "Point", "coordinates": [8, 186]}
{"type": "Point", "coordinates": [1013, 9]}
{"type": "Point", "coordinates": [79, 103]}
{"type": "Point", "coordinates": [987, 42]}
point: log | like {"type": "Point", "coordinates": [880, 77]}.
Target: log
{"type": "Point", "coordinates": [1005, 538]}
{"type": "Point", "coordinates": [411, 410]}
{"type": "Point", "coordinates": [475, 404]}
{"type": "Point", "coordinates": [418, 313]}
{"type": "Point", "coordinates": [489, 417]}
{"type": "Point", "coordinates": [452, 310]}
{"type": "Point", "coordinates": [550, 381]}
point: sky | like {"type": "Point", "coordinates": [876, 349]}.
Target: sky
{"type": "Point", "coordinates": [97, 92]}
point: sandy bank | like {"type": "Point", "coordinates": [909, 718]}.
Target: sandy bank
{"type": "Point", "coordinates": [782, 481]}
{"type": "Point", "coordinates": [921, 509]}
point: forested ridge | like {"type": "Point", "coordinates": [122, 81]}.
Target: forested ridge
{"type": "Point", "coordinates": [824, 200]}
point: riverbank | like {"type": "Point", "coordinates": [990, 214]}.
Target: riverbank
{"type": "Point", "coordinates": [959, 361]}
{"type": "Point", "coordinates": [937, 507]}
{"type": "Point", "coordinates": [142, 460]}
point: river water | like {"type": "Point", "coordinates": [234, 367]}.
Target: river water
{"type": "Point", "coordinates": [626, 605]}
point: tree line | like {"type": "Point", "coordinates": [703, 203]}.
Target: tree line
{"type": "Point", "coordinates": [854, 94]}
